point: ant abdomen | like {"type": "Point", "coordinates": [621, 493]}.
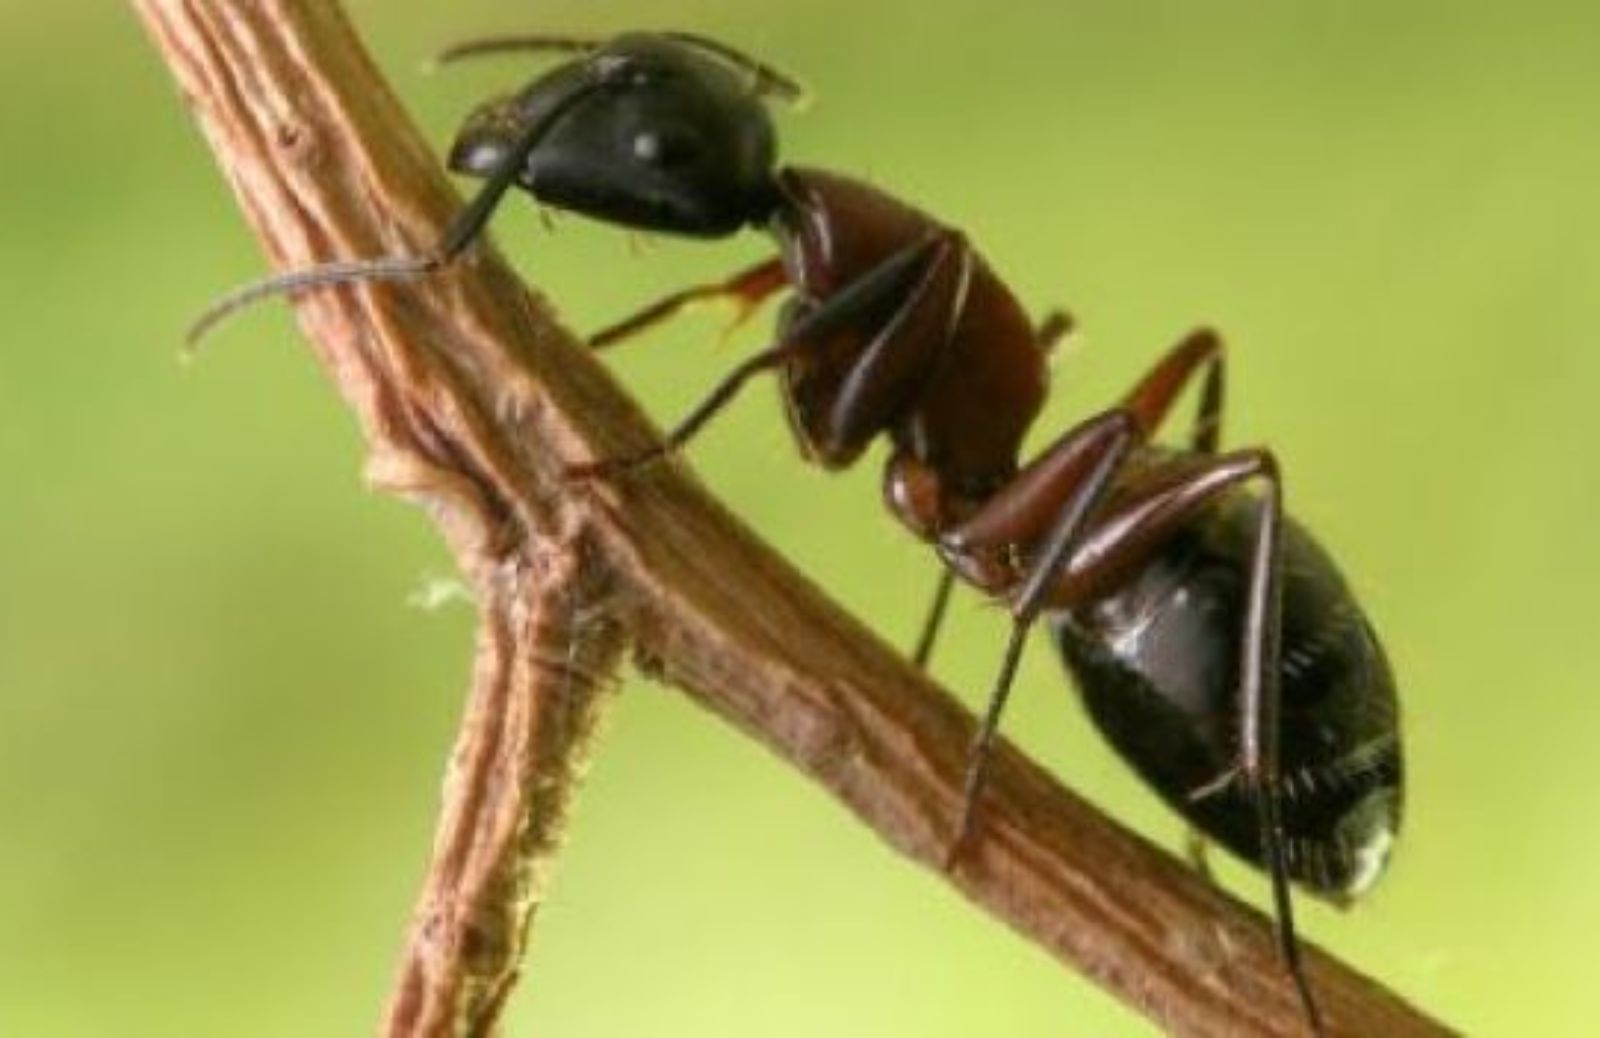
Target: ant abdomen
{"type": "Point", "coordinates": [1157, 664]}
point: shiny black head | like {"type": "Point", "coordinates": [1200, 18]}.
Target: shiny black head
{"type": "Point", "coordinates": [657, 131]}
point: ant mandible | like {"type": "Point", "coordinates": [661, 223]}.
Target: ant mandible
{"type": "Point", "coordinates": [1214, 643]}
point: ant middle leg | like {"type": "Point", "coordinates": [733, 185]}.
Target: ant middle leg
{"type": "Point", "coordinates": [1150, 402]}
{"type": "Point", "coordinates": [1055, 325]}
{"type": "Point", "coordinates": [1048, 507]}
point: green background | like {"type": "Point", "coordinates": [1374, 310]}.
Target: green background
{"type": "Point", "coordinates": [222, 726]}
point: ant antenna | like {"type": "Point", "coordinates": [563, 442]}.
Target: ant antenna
{"type": "Point", "coordinates": [393, 268]}
{"type": "Point", "coordinates": [769, 81]}
{"type": "Point", "coordinates": [509, 44]}
{"type": "Point", "coordinates": [466, 226]}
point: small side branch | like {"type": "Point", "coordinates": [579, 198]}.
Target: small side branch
{"type": "Point", "coordinates": [537, 693]}
{"type": "Point", "coordinates": [473, 400]}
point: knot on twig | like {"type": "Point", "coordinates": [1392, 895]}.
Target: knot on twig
{"type": "Point", "coordinates": [296, 142]}
{"type": "Point", "coordinates": [472, 520]}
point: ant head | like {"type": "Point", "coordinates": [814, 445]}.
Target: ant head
{"type": "Point", "coordinates": [658, 131]}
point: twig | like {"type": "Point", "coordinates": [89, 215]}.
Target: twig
{"type": "Point", "coordinates": [473, 400]}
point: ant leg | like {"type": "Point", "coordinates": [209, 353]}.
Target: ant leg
{"type": "Point", "coordinates": [1082, 466]}
{"type": "Point", "coordinates": [891, 277]}
{"type": "Point", "coordinates": [903, 347]}
{"type": "Point", "coordinates": [1152, 399]}
{"type": "Point", "coordinates": [691, 424]}
{"type": "Point", "coordinates": [874, 387]}
{"type": "Point", "coordinates": [1259, 720]}
{"type": "Point", "coordinates": [887, 374]}
{"type": "Point", "coordinates": [1054, 326]}
{"type": "Point", "coordinates": [930, 627]}
{"type": "Point", "coordinates": [749, 289]}
{"type": "Point", "coordinates": [1021, 512]}
{"type": "Point", "coordinates": [1148, 511]}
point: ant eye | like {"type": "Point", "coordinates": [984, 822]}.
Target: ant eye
{"type": "Point", "coordinates": [664, 149]}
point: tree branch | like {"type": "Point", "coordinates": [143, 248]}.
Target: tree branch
{"type": "Point", "coordinates": [473, 400]}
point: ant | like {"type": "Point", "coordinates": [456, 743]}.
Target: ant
{"type": "Point", "coordinates": [1214, 643]}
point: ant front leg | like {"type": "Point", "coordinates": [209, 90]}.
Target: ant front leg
{"type": "Point", "coordinates": [748, 289]}
{"type": "Point", "coordinates": [691, 424]}
{"type": "Point", "coordinates": [905, 275]}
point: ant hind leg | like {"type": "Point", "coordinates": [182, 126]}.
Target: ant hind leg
{"type": "Point", "coordinates": [935, 619]}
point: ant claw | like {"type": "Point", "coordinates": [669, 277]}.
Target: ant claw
{"type": "Point", "coordinates": [955, 852]}
{"type": "Point", "coordinates": [959, 846]}
{"type": "Point", "coordinates": [610, 468]}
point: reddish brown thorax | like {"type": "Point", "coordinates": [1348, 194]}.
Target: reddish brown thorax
{"type": "Point", "coordinates": [957, 424]}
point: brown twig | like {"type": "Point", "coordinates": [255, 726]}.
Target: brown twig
{"type": "Point", "coordinates": [473, 400]}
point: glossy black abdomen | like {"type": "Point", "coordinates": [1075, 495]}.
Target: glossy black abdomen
{"type": "Point", "coordinates": [1157, 665]}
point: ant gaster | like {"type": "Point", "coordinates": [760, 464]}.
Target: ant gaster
{"type": "Point", "coordinates": [1213, 642]}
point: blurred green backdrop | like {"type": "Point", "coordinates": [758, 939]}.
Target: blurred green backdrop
{"type": "Point", "coordinates": [1390, 207]}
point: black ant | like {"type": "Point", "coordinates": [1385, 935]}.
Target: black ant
{"type": "Point", "coordinates": [1214, 643]}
